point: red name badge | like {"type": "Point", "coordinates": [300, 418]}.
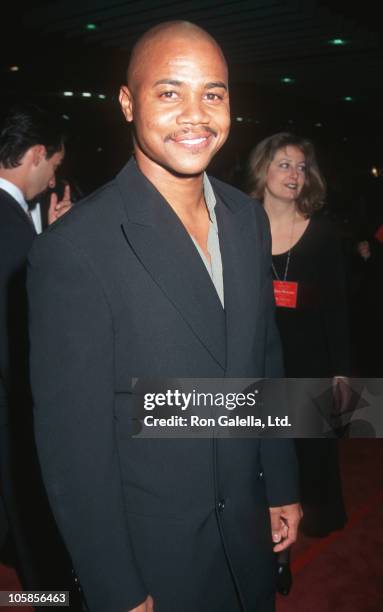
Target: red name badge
{"type": "Point", "coordinates": [285, 293]}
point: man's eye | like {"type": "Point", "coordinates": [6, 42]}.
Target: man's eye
{"type": "Point", "coordinates": [170, 95]}
{"type": "Point", "coordinates": [213, 97]}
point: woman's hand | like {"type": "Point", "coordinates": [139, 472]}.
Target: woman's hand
{"type": "Point", "coordinates": [363, 248]}
{"type": "Point", "coordinates": [342, 394]}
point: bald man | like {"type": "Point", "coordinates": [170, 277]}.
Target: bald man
{"type": "Point", "coordinates": [163, 273]}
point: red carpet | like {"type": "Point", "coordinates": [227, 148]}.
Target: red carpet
{"type": "Point", "coordinates": [344, 572]}
{"type": "Point", "coordinates": [9, 582]}
{"type": "Point", "coordinates": [340, 573]}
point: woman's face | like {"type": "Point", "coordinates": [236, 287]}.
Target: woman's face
{"type": "Point", "coordinates": [286, 174]}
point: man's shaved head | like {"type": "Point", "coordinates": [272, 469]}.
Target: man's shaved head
{"type": "Point", "coordinates": [144, 50]}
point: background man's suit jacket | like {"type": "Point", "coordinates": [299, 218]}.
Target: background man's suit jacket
{"type": "Point", "coordinates": [16, 236]}
{"type": "Point", "coordinates": [33, 528]}
{"type": "Point", "coordinates": [118, 290]}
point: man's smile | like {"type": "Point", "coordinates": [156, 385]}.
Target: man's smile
{"type": "Point", "coordinates": [192, 141]}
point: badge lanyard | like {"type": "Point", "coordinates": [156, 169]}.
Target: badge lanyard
{"type": "Point", "coordinates": [286, 267]}
{"type": "Point", "coordinates": [285, 292]}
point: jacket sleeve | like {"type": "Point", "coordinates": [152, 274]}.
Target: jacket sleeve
{"type": "Point", "coordinates": [71, 334]}
{"type": "Point", "coordinates": [278, 458]}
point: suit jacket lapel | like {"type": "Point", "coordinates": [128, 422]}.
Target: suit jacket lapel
{"type": "Point", "coordinates": [167, 252]}
{"type": "Point", "coordinates": [15, 206]}
{"type": "Point", "coordinates": [240, 262]}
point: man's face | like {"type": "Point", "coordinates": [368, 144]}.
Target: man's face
{"type": "Point", "coordinates": [180, 106]}
{"type": "Point", "coordinates": [43, 173]}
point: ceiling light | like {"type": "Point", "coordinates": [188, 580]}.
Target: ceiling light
{"type": "Point", "coordinates": [239, 119]}
{"type": "Point", "coordinates": [101, 96]}
{"type": "Point", "coordinates": [348, 98]}
{"type": "Point", "coordinates": [337, 42]}
{"type": "Point", "coordinates": [91, 26]}
{"type": "Point", "coordinates": [287, 80]}
{"type": "Point", "coordinates": [86, 94]}
{"type": "Point", "coordinates": [67, 94]}
{"type": "Point", "coordinates": [14, 68]}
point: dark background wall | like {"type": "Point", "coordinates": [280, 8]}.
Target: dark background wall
{"type": "Point", "coordinates": [264, 41]}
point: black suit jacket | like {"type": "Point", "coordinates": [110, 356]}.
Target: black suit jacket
{"type": "Point", "coordinates": [16, 236]}
{"type": "Point", "coordinates": [41, 559]}
{"type": "Point", "coordinates": [118, 290]}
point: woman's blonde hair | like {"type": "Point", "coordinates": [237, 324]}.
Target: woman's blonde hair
{"type": "Point", "coordinates": [313, 193]}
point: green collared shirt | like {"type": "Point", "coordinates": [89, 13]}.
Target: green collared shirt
{"type": "Point", "coordinates": [214, 267]}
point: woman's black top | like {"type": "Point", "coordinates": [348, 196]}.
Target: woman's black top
{"type": "Point", "coordinates": [315, 334]}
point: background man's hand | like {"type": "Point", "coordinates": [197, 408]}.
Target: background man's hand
{"type": "Point", "coordinates": [146, 606]}
{"type": "Point", "coordinates": [284, 525]}
{"type": "Point", "coordinates": [56, 208]}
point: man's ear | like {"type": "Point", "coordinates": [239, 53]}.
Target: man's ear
{"type": "Point", "coordinates": [126, 102]}
{"type": "Point", "coordinates": [38, 153]}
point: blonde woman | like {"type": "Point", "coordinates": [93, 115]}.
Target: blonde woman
{"type": "Point", "coordinates": [309, 289]}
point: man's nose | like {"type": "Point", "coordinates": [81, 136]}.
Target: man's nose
{"type": "Point", "coordinates": [194, 112]}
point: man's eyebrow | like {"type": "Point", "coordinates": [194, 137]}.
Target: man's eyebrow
{"type": "Point", "coordinates": [216, 84]}
{"type": "Point", "coordinates": [176, 83]}
{"type": "Point", "coordinates": [168, 82]}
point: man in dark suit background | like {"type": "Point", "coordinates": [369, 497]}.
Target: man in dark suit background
{"type": "Point", "coordinates": [31, 149]}
{"type": "Point", "coordinates": [162, 273]}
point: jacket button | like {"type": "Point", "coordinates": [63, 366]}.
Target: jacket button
{"type": "Point", "coordinates": [221, 505]}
